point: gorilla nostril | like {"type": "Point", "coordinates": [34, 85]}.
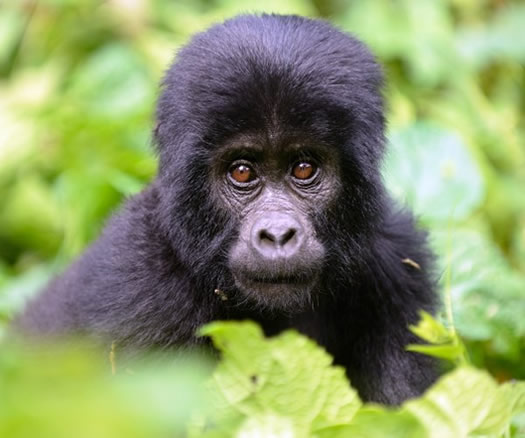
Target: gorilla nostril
{"type": "Point", "coordinates": [276, 235]}
{"type": "Point", "coordinates": [266, 236]}
{"type": "Point", "coordinates": [289, 235]}
{"type": "Point", "coordinates": [278, 238]}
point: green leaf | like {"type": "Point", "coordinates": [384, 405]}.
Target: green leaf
{"type": "Point", "coordinates": [430, 330]}
{"type": "Point", "coordinates": [515, 392]}
{"type": "Point", "coordinates": [446, 344]}
{"type": "Point", "coordinates": [376, 422]}
{"type": "Point", "coordinates": [430, 169]}
{"type": "Point", "coordinates": [452, 352]}
{"type": "Point", "coordinates": [287, 376]}
{"type": "Point", "coordinates": [487, 295]}
{"type": "Point", "coordinates": [113, 83]}
{"type": "Point", "coordinates": [463, 402]}
{"type": "Point", "coordinates": [267, 425]}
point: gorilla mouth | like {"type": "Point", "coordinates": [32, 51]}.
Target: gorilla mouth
{"type": "Point", "coordinates": [281, 279]}
{"type": "Point", "coordinates": [290, 293]}
{"type": "Point", "coordinates": [272, 281]}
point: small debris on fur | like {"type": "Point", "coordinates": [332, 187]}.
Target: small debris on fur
{"type": "Point", "coordinates": [411, 262]}
{"type": "Point", "coordinates": [221, 294]}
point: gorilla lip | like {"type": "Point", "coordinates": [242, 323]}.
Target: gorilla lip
{"type": "Point", "coordinates": [280, 280]}
{"type": "Point", "coordinates": [286, 280]}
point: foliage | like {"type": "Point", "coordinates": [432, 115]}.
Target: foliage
{"type": "Point", "coordinates": [443, 185]}
{"type": "Point", "coordinates": [281, 387]}
{"type": "Point", "coordinates": [57, 392]}
{"type": "Point", "coordinates": [78, 82]}
{"type": "Point", "coordinates": [286, 386]}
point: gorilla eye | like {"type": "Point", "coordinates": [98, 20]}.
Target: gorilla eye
{"type": "Point", "coordinates": [303, 170]}
{"type": "Point", "coordinates": [242, 173]}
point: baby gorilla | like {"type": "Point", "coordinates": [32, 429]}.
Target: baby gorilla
{"type": "Point", "coordinates": [268, 205]}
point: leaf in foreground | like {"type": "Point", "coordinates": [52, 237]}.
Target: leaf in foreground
{"type": "Point", "coordinates": [286, 387]}
{"type": "Point", "coordinates": [286, 382]}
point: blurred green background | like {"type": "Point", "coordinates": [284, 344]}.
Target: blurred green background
{"type": "Point", "coordinates": [78, 83]}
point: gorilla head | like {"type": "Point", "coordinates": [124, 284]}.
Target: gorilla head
{"type": "Point", "coordinates": [270, 132]}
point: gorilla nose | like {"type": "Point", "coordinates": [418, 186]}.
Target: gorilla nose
{"type": "Point", "coordinates": [277, 235]}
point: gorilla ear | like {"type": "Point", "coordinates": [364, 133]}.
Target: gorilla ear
{"type": "Point", "coordinates": [159, 137]}
{"type": "Point", "coordinates": [156, 130]}
{"type": "Point", "coordinates": [156, 135]}
{"type": "Point", "coordinates": [156, 138]}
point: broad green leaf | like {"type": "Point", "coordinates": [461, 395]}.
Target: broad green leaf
{"type": "Point", "coordinates": [286, 376]}
{"type": "Point", "coordinates": [113, 83]}
{"type": "Point", "coordinates": [506, 404]}
{"type": "Point", "coordinates": [267, 425]}
{"type": "Point", "coordinates": [430, 169]}
{"type": "Point", "coordinates": [458, 404]}
{"type": "Point", "coordinates": [445, 344]}
{"type": "Point", "coordinates": [487, 296]}
{"type": "Point", "coordinates": [376, 422]}
{"type": "Point", "coordinates": [452, 352]}
{"type": "Point", "coordinates": [515, 393]}
{"type": "Point", "coordinates": [430, 330]}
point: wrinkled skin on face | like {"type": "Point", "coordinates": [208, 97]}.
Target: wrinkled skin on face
{"type": "Point", "coordinates": [274, 190]}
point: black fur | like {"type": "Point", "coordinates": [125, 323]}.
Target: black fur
{"type": "Point", "coordinates": [149, 280]}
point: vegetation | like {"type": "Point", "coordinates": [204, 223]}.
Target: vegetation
{"type": "Point", "coordinates": [78, 81]}
{"type": "Point", "coordinates": [279, 387]}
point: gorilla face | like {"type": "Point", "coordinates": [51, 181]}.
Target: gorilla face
{"type": "Point", "coordinates": [269, 151]}
{"type": "Point", "coordinates": [273, 188]}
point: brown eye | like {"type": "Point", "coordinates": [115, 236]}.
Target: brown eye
{"type": "Point", "coordinates": [242, 173]}
{"type": "Point", "coordinates": [303, 170]}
